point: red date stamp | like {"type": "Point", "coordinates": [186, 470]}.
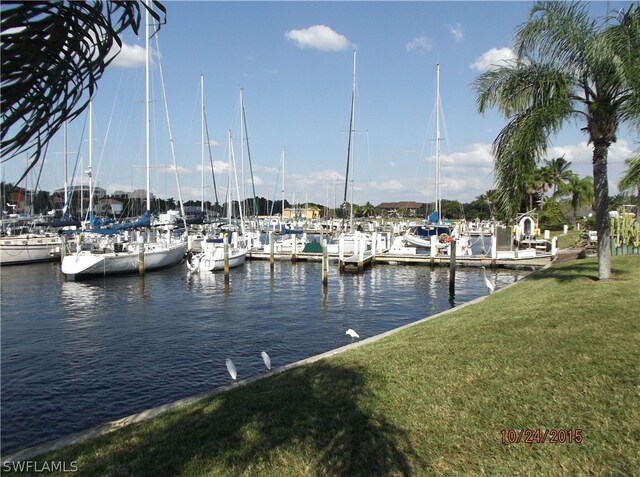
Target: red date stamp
{"type": "Point", "coordinates": [539, 436]}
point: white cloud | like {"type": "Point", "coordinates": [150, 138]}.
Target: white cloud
{"type": "Point", "coordinates": [130, 56]}
{"type": "Point", "coordinates": [456, 31]}
{"type": "Point", "coordinates": [493, 57]}
{"type": "Point", "coordinates": [421, 42]}
{"type": "Point", "coordinates": [390, 185]}
{"type": "Point", "coordinates": [320, 37]}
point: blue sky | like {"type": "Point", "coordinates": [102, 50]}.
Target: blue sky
{"type": "Point", "coordinates": [294, 61]}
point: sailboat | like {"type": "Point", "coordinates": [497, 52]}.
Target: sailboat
{"type": "Point", "coordinates": [229, 242]}
{"type": "Point", "coordinates": [289, 242]}
{"type": "Point", "coordinates": [420, 235]}
{"type": "Point", "coordinates": [25, 240]}
{"type": "Point", "coordinates": [124, 249]}
{"type": "Point", "coordinates": [25, 243]}
{"type": "Point", "coordinates": [350, 241]}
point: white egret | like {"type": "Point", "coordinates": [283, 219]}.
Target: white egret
{"type": "Point", "coordinates": [353, 334]}
{"type": "Point", "coordinates": [266, 359]}
{"type": "Point", "coordinates": [490, 285]}
{"type": "Point", "coordinates": [232, 369]}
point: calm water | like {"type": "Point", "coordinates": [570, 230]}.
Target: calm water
{"type": "Point", "coordinates": [76, 354]}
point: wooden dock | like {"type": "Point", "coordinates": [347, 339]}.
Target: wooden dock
{"type": "Point", "coordinates": [352, 262]}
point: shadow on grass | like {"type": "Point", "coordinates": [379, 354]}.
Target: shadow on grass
{"type": "Point", "coordinates": [579, 270]}
{"type": "Point", "coordinates": [307, 421]}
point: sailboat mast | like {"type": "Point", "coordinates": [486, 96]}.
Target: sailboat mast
{"type": "Point", "coordinates": [90, 211]}
{"type": "Point", "coordinates": [282, 167]}
{"type": "Point", "coordinates": [146, 102]}
{"type": "Point", "coordinates": [66, 169]}
{"type": "Point", "coordinates": [242, 138]}
{"type": "Point", "coordinates": [243, 127]}
{"type": "Point", "coordinates": [351, 127]}
{"type": "Point", "coordinates": [202, 139]}
{"type": "Point", "coordinates": [438, 198]}
{"type": "Point", "coordinates": [230, 155]}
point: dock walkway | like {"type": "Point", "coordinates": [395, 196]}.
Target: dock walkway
{"type": "Point", "coordinates": [540, 260]}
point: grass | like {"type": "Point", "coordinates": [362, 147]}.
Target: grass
{"type": "Point", "coordinates": [557, 351]}
{"type": "Point", "coordinates": [569, 240]}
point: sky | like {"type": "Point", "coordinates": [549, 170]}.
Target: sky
{"type": "Point", "coordinates": [294, 63]}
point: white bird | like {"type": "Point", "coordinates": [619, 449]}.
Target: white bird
{"type": "Point", "coordinates": [353, 334]}
{"type": "Point", "coordinates": [232, 369]}
{"type": "Point", "coordinates": [266, 359]}
{"type": "Point", "coordinates": [490, 285]}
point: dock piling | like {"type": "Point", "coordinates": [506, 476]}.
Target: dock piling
{"type": "Point", "coordinates": [272, 246]}
{"type": "Point", "coordinates": [141, 255]}
{"type": "Point", "coordinates": [225, 242]}
{"type": "Point", "coordinates": [452, 268]}
{"type": "Point", "coordinates": [325, 264]}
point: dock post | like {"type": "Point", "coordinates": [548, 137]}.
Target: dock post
{"type": "Point", "coordinates": [294, 247]}
{"type": "Point", "coordinates": [362, 244]}
{"type": "Point", "coordinates": [189, 242]}
{"type": "Point", "coordinates": [325, 263]}
{"type": "Point", "coordinates": [494, 249]}
{"type": "Point", "coordinates": [482, 249]}
{"type": "Point", "coordinates": [63, 246]}
{"type": "Point", "coordinates": [341, 253]}
{"type": "Point", "coordinates": [452, 269]}
{"type": "Point", "coordinates": [141, 255]}
{"type": "Point", "coordinates": [433, 250]}
{"type": "Point", "coordinates": [271, 250]}
{"type": "Point", "coordinates": [225, 242]}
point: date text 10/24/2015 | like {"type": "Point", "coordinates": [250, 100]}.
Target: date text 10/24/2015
{"type": "Point", "coordinates": [539, 436]}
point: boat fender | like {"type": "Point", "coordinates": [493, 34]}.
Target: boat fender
{"type": "Point", "coordinates": [445, 238]}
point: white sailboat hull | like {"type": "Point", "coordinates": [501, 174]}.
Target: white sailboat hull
{"type": "Point", "coordinates": [211, 262]}
{"type": "Point", "coordinates": [29, 249]}
{"type": "Point", "coordinates": [156, 255]}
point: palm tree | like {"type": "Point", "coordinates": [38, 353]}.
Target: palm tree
{"type": "Point", "coordinates": [53, 54]}
{"type": "Point", "coordinates": [537, 183]}
{"type": "Point", "coordinates": [368, 210]}
{"type": "Point", "coordinates": [559, 172]}
{"type": "Point", "coordinates": [631, 179]}
{"type": "Point", "coordinates": [581, 192]}
{"type": "Point", "coordinates": [566, 69]}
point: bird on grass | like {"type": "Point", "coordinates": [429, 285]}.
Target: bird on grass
{"type": "Point", "coordinates": [353, 334]}
{"type": "Point", "coordinates": [490, 285]}
{"type": "Point", "coordinates": [232, 369]}
{"type": "Point", "coordinates": [266, 359]}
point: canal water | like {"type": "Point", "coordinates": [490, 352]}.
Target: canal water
{"type": "Point", "coordinates": [76, 354]}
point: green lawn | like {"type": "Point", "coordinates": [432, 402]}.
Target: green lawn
{"type": "Point", "coordinates": [568, 240]}
{"type": "Point", "coordinates": [559, 351]}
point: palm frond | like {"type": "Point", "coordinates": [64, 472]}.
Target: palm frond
{"type": "Point", "coordinates": [556, 31]}
{"type": "Point", "coordinates": [631, 179]}
{"type": "Point", "coordinates": [518, 87]}
{"type": "Point", "coordinates": [619, 44]}
{"type": "Point", "coordinates": [53, 55]}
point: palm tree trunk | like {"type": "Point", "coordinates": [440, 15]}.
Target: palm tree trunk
{"type": "Point", "coordinates": [601, 187]}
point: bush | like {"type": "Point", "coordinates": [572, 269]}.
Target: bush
{"type": "Point", "coordinates": [551, 217]}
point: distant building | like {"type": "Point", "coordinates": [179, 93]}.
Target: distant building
{"type": "Point", "coordinates": [411, 208]}
{"type": "Point", "coordinates": [108, 207]}
{"type": "Point", "coordinates": [302, 212]}
{"type": "Point", "coordinates": [78, 197]}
